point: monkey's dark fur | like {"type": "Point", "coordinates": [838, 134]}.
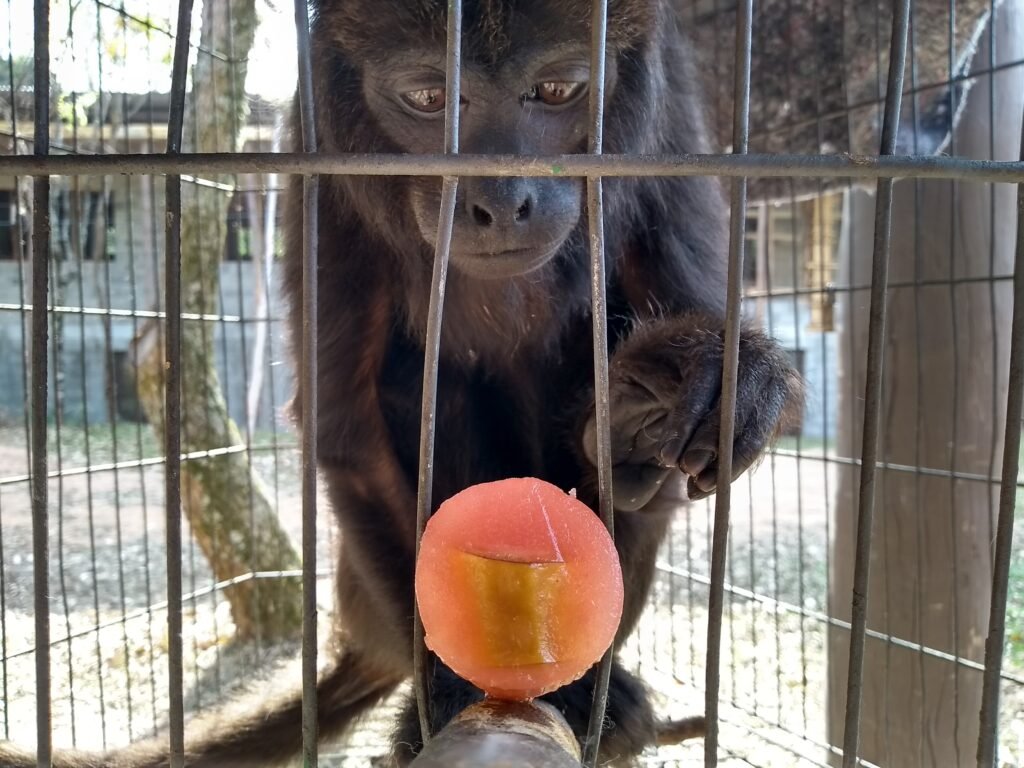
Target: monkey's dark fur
{"type": "Point", "coordinates": [515, 385]}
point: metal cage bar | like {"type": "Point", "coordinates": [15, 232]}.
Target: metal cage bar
{"type": "Point", "coordinates": [40, 375]}
{"type": "Point", "coordinates": [360, 164]}
{"type": "Point", "coordinates": [172, 390]}
{"type": "Point", "coordinates": [730, 368]}
{"type": "Point", "coordinates": [873, 387]}
{"type": "Point", "coordinates": [995, 642]}
{"type": "Point", "coordinates": [309, 389]}
{"type": "Point", "coordinates": [432, 344]}
{"type": "Point", "coordinates": [599, 323]}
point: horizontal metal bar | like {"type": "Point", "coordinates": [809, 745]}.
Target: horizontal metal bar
{"type": "Point", "coordinates": [140, 613]}
{"type": "Point", "coordinates": [753, 293]}
{"type": "Point", "coordinates": [765, 734]}
{"type": "Point", "coordinates": [139, 313]}
{"type": "Point", "coordinates": [153, 461]}
{"type": "Point", "coordinates": [58, 149]}
{"type": "Point", "coordinates": [752, 165]}
{"type": "Point", "coordinates": [788, 293]}
{"type": "Point", "coordinates": [769, 602]}
{"type": "Point", "coordinates": [786, 607]}
{"type": "Point", "coordinates": [847, 461]}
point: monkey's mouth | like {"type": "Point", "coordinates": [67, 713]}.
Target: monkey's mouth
{"type": "Point", "coordinates": [504, 264]}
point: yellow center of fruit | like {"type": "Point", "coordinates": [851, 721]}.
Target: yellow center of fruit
{"type": "Point", "coordinates": [516, 605]}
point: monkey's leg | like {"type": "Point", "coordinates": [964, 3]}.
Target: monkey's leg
{"type": "Point", "coordinates": [255, 733]}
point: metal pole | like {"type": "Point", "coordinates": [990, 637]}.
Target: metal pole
{"type": "Point", "coordinates": [730, 367]}
{"type": "Point", "coordinates": [873, 387]}
{"type": "Point", "coordinates": [988, 737]}
{"type": "Point", "coordinates": [432, 344]}
{"type": "Point", "coordinates": [172, 391]}
{"type": "Point", "coordinates": [309, 390]}
{"type": "Point", "coordinates": [40, 372]}
{"type": "Point", "coordinates": [562, 166]}
{"type": "Point", "coordinates": [599, 321]}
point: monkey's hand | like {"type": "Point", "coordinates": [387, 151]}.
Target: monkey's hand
{"type": "Point", "coordinates": [666, 381]}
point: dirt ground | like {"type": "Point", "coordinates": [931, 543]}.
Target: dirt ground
{"type": "Point", "coordinates": [108, 572]}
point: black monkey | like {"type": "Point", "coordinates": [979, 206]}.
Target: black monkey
{"type": "Point", "coordinates": [515, 385]}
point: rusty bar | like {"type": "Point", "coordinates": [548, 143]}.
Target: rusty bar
{"type": "Point", "coordinates": [750, 165]}
{"type": "Point", "coordinates": [988, 737]}
{"type": "Point", "coordinates": [310, 194]}
{"type": "Point", "coordinates": [599, 323]}
{"type": "Point", "coordinates": [502, 733]}
{"type": "Point", "coordinates": [40, 373]}
{"type": "Point", "coordinates": [172, 391]}
{"type": "Point", "coordinates": [730, 366]}
{"type": "Point", "coordinates": [432, 345]}
{"type": "Point", "coordinates": [873, 386]}
{"type": "Point", "coordinates": [309, 390]}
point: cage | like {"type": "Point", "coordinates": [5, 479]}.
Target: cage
{"type": "Point", "coordinates": [874, 159]}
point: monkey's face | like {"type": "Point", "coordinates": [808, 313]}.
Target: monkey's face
{"type": "Point", "coordinates": [533, 104]}
{"type": "Point", "coordinates": [525, 89]}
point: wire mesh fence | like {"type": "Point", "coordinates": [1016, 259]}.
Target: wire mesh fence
{"type": "Point", "coordinates": [896, 305]}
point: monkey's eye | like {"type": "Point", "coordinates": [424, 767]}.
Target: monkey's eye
{"type": "Point", "coordinates": [425, 99]}
{"type": "Point", "coordinates": [554, 93]}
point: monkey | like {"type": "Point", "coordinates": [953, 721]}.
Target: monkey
{"type": "Point", "coordinates": [515, 382]}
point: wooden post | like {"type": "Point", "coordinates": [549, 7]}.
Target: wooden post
{"type": "Point", "coordinates": [945, 396]}
{"type": "Point", "coordinates": [503, 734]}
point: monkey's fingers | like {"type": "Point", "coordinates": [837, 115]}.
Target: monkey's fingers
{"type": "Point", "coordinates": [762, 399]}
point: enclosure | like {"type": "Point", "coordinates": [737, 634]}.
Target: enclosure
{"type": "Point", "coordinates": [161, 534]}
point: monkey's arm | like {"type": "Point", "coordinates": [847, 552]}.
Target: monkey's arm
{"type": "Point", "coordinates": [666, 371]}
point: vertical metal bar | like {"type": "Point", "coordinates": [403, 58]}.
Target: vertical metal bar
{"type": "Point", "coordinates": [776, 573]}
{"type": "Point", "coordinates": [82, 248]}
{"type": "Point", "coordinates": [988, 737]}
{"type": "Point", "coordinates": [152, 238]}
{"type": "Point", "coordinates": [172, 391]}
{"type": "Point", "coordinates": [599, 322]}
{"type": "Point", "coordinates": [919, 418]}
{"type": "Point", "coordinates": [109, 222]}
{"type": "Point", "coordinates": [992, 247]}
{"type": "Point", "coordinates": [432, 344]}
{"type": "Point", "coordinates": [309, 391]}
{"type": "Point", "coordinates": [873, 386]}
{"type": "Point", "coordinates": [19, 254]}
{"type": "Point", "coordinates": [954, 439]}
{"type": "Point", "coordinates": [730, 366]}
{"type": "Point", "coordinates": [40, 279]}
{"type": "Point", "coordinates": [133, 287]}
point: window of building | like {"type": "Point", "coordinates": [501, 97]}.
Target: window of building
{"type": "Point", "coordinates": [97, 210]}
{"type": "Point", "coordinates": [10, 231]}
{"type": "Point", "coordinates": [238, 244]}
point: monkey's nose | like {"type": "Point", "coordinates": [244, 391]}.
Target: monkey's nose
{"type": "Point", "coordinates": [484, 215]}
{"type": "Point", "coordinates": [499, 203]}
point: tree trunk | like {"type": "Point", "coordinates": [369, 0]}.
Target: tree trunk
{"type": "Point", "coordinates": [227, 507]}
{"type": "Point", "coordinates": [946, 369]}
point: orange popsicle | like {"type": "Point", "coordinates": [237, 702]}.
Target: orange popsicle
{"type": "Point", "coordinates": [519, 587]}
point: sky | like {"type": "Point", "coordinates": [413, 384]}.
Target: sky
{"type": "Point", "coordinates": [272, 65]}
